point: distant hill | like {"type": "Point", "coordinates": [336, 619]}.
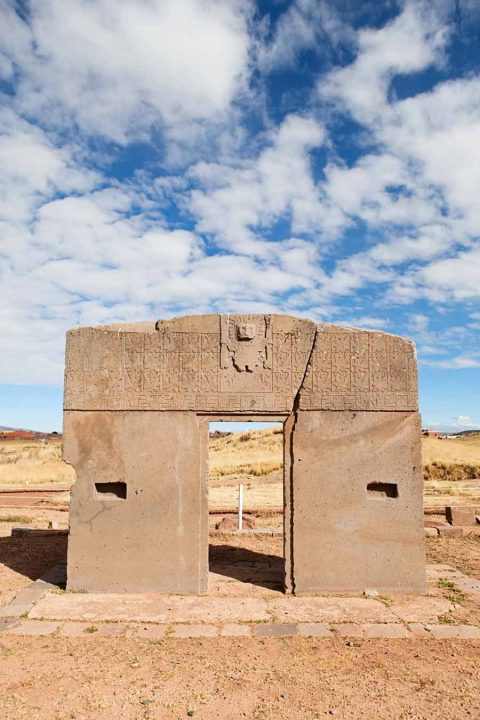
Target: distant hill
{"type": "Point", "coordinates": [16, 433]}
{"type": "Point", "coordinates": [466, 432]}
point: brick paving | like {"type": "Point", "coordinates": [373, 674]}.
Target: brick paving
{"type": "Point", "coordinates": [40, 610]}
{"type": "Point", "coordinates": [365, 631]}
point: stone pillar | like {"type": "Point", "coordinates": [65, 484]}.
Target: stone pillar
{"type": "Point", "coordinates": [357, 502]}
{"type": "Point", "coordinates": [136, 516]}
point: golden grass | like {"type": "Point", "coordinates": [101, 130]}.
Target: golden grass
{"type": "Point", "coordinates": [255, 459]}
{"type": "Point", "coordinates": [465, 450]}
{"type": "Point", "coordinates": [32, 462]}
{"type": "Point", "coordinates": [256, 496]}
{"type": "Point", "coordinates": [255, 453]}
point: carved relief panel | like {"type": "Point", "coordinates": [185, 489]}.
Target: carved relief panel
{"type": "Point", "coordinates": [239, 364]}
{"type": "Point", "coordinates": [360, 370]}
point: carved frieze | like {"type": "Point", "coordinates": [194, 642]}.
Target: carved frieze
{"type": "Point", "coordinates": [238, 364]}
{"type": "Point", "coordinates": [360, 370]}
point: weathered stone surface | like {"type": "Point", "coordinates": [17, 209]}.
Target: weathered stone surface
{"type": "Point", "coordinates": [138, 398]}
{"type": "Point", "coordinates": [194, 631]}
{"type": "Point", "coordinates": [355, 477]}
{"type": "Point", "coordinates": [238, 363]}
{"type": "Point", "coordinates": [151, 540]}
{"type": "Point", "coordinates": [455, 632]}
{"type": "Point", "coordinates": [360, 370]}
{"type": "Point", "coordinates": [148, 631]}
{"type": "Point", "coordinates": [149, 607]}
{"type": "Point", "coordinates": [419, 630]}
{"type": "Point", "coordinates": [275, 630]}
{"type": "Point", "coordinates": [78, 629]}
{"type": "Point", "coordinates": [236, 630]}
{"type": "Point", "coordinates": [230, 522]}
{"type": "Point", "coordinates": [461, 514]}
{"type": "Point", "coordinates": [450, 531]}
{"type": "Point", "coordinates": [328, 609]}
{"type": "Point", "coordinates": [242, 364]}
{"type": "Point", "coordinates": [348, 630]}
{"type": "Point", "coordinates": [381, 630]}
{"type": "Point", "coordinates": [25, 599]}
{"type": "Point", "coordinates": [314, 630]}
{"type": "Point", "coordinates": [34, 627]}
{"type": "Point", "coordinates": [421, 609]}
{"type": "Point", "coordinates": [7, 623]}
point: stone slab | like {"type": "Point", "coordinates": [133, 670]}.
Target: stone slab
{"type": "Point", "coordinates": [236, 630]}
{"type": "Point", "coordinates": [348, 630]}
{"type": "Point", "coordinates": [194, 631]}
{"type": "Point", "coordinates": [435, 571]}
{"type": "Point", "coordinates": [328, 609]}
{"type": "Point", "coordinates": [7, 623]}
{"type": "Point", "coordinates": [24, 600]}
{"type": "Point", "coordinates": [149, 608]}
{"type": "Point", "coordinates": [238, 363]}
{"type": "Point", "coordinates": [153, 539]}
{"type": "Point", "coordinates": [78, 629]}
{"type": "Point", "coordinates": [450, 531]}
{"type": "Point", "coordinates": [148, 631]}
{"type": "Point", "coordinates": [383, 630]}
{"type": "Point", "coordinates": [419, 630]}
{"type": "Point", "coordinates": [421, 609]}
{"type": "Point", "coordinates": [225, 363]}
{"type": "Point", "coordinates": [35, 627]}
{"type": "Point", "coordinates": [461, 514]}
{"type": "Point", "coordinates": [314, 630]}
{"type": "Point", "coordinates": [350, 369]}
{"type": "Point", "coordinates": [468, 585]}
{"type": "Point", "coordinates": [455, 632]}
{"type": "Point", "coordinates": [357, 502]}
{"type": "Point", "coordinates": [265, 630]}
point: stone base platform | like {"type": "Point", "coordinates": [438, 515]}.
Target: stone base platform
{"type": "Point", "coordinates": [258, 611]}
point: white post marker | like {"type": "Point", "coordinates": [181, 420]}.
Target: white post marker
{"type": "Point", "coordinates": [240, 507]}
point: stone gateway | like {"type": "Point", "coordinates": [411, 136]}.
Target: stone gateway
{"type": "Point", "coordinates": [138, 402]}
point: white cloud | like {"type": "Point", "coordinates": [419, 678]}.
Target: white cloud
{"type": "Point", "coordinates": [420, 185]}
{"type": "Point", "coordinates": [454, 424]}
{"type": "Point", "coordinates": [237, 202]}
{"type": "Point", "coordinates": [464, 421]}
{"type": "Point", "coordinates": [33, 168]}
{"type": "Point", "coordinates": [459, 362]}
{"type": "Point", "coordinates": [115, 68]}
{"type": "Point", "coordinates": [410, 42]}
{"type": "Point", "coordinates": [79, 248]}
{"type": "Point", "coordinates": [306, 24]}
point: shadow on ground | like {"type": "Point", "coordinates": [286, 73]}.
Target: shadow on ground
{"type": "Point", "coordinates": [32, 555]}
{"type": "Point", "coordinates": [247, 566]}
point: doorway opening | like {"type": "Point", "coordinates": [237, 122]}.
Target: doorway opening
{"type": "Point", "coordinates": [246, 507]}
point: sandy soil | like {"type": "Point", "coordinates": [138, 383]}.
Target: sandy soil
{"type": "Point", "coordinates": [461, 553]}
{"type": "Point", "coordinates": [226, 678]}
{"type": "Point", "coordinates": [55, 678]}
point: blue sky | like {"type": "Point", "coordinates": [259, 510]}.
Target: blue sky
{"type": "Point", "coordinates": [162, 157]}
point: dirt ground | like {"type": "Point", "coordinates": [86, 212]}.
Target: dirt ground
{"type": "Point", "coordinates": [92, 678]}
{"type": "Point", "coordinates": [61, 678]}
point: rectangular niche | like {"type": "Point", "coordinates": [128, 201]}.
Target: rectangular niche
{"type": "Point", "coordinates": [383, 490]}
{"type": "Point", "coordinates": [112, 490]}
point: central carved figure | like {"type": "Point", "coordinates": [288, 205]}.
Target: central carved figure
{"type": "Point", "coordinates": [245, 344]}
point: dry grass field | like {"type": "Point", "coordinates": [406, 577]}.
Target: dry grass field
{"type": "Point", "coordinates": [255, 459]}
{"type": "Point", "coordinates": [33, 463]}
